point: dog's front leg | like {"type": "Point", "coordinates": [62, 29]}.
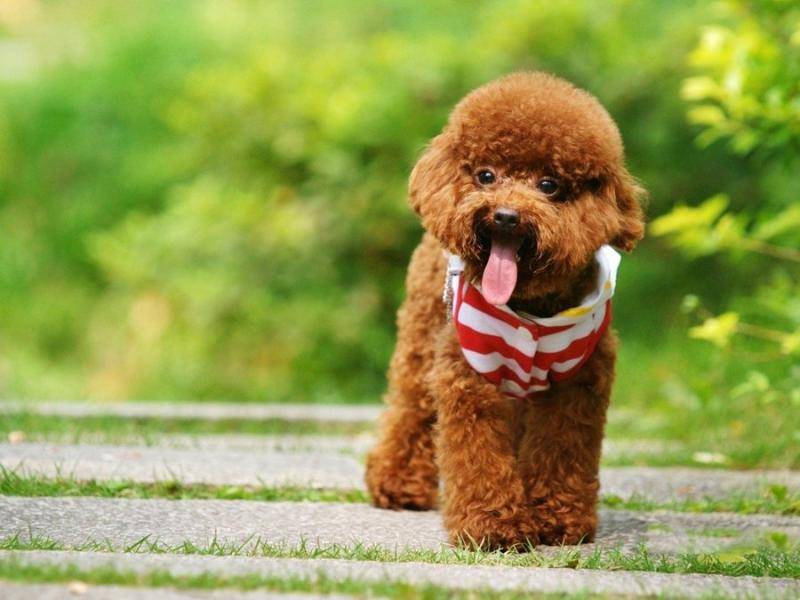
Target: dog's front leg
{"type": "Point", "coordinates": [559, 454]}
{"type": "Point", "coordinates": [484, 501]}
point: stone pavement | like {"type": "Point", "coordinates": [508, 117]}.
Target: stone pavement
{"type": "Point", "coordinates": [328, 469]}
{"type": "Point", "coordinates": [143, 464]}
{"type": "Point", "coordinates": [80, 591]}
{"type": "Point", "coordinates": [355, 444]}
{"type": "Point", "coordinates": [330, 461]}
{"type": "Point", "coordinates": [352, 444]}
{"type": "Point", "coordinates": [455, 577]}
{"type": "Point", "coordinates": [207, 411]}
{"type": "Point", "coordinates": [118, 523]}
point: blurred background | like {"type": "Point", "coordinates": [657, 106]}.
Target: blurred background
{"type": "Point", "coordinates": [205, 199]}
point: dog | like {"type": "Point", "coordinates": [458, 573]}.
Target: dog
{"type": "Point", "coordinates": [500, 385]}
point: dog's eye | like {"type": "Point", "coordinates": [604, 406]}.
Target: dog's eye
{"type": "Point", "coordinates": [485, 177]}
{"type": "Point", "coordinates": [594, 185]}
{"type": "Point", "coordinates": [548, 186]}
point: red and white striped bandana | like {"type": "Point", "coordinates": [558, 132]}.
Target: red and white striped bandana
{"type": "Point", "coordinates": [523, 354]}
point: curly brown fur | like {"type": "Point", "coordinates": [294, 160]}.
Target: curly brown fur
{"type": "Point", "coordinates": [514, 471]}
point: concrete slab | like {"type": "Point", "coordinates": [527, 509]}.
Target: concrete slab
{"type": "Point", "coordinates": [145, 465]}
{"type": "Point", "coordinates": [357, 444]}
{"type": "Point", "coordinates": [683, 483]}
{"type": "Point", "coordinates": [327, 468]}
{"type": "Point", "coordinates": [79, 590]}
{"type": "Point", "coordinates": [454, 577]}
{"type": "Point", "coordinates": [208, 411]}
{"type": "Point", "coordinates": [119, 523]}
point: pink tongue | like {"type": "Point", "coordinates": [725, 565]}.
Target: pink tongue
{"type": "Point", "coordinates": [500, 273]}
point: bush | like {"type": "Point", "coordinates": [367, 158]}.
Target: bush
{"type": "Point", "coordinates": [207, 199]}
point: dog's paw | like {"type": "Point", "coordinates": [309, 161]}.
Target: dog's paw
{"type": "Point", "coordinates": [564, 537]}
{"type": "Point", "coordinates": [568, 530]}
{"type": "Point", "coordinates": [397, 488]}
{"type": "Point", "coordinates": [402, 498]}
{"type": "Point", "coordinates": [565, 519]}
{"type": "Point", "coordinates": [489, 533]}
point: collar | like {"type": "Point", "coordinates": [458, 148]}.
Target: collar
{"type": "Point", "coordinates": [523, 353]}
{"type": "Point", "coordinates": [607, 260]}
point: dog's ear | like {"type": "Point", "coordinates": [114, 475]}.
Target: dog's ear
{"type": "Point", "coordinates": [433, 176]}
{"type": "Point", "coordinates": [628, 196]}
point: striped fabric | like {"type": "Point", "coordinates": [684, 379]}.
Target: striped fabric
{"type": "Point", "coordinates": [523, 354]}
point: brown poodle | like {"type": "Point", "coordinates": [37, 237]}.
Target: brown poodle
{"type": "Point", "coordinates": [522, 194]}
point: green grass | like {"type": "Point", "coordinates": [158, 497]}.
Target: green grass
{"type": "Point", "coordinates": [717, 532]}
{"type": "Point", "coordinates": [14, 484]}
{"type": "Point", "coordinates": [768, 559]}
{"type": "Point", "coordinates": [693, 450]}
{"type": "Point", "coordinates": [773, 500]}
{"type": "Point", "coordinates": [112, 429]}
{"type": "Point", "coordinates": [686, 391]}
{"type": "Point", "coordinates": [12, 569]}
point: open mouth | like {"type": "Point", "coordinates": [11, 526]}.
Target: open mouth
{"type": "Point", "coordinates": [502, 253]}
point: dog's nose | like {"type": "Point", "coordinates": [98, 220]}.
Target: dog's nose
{"type": "Point", "coordinates": [506, 218]}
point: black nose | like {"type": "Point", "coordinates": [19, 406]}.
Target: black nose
{"type": "Point", "coordinates": [506, 218]}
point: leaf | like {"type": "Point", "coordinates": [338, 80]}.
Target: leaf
{"type": "Point", "coordinates": [717, 330]}
{"type": "Point", "coordinates": [785, 221]}
{"type": "Point", "coordinates": [756, 382]}
{"type": "Point", "coordinates": [709, 51]}
{"type": "Point", "coordinates": [745, 141]}
{"type": "Point", "coordinates": [791, 343]}
{"type": "Point", "coordinates": [734, 555]}
{"type": "Point", "coordinates": [728, 231]}
{"type": "Point", "coordinates": [689, 304]}
{"type": "Point", "coordinates": [795, 39]}
{"type": "Point", "coordinates": [710, 458]}
{"type": "Point", "coordinates": [707, 114]}
{"type": "Point", "coordinates": [779, 539]}
{"type": "Point", "coordinates": [693, 229]}
{"type": "Point", "coordinates": [699, 88]}
{"type": "Point", "coordinates": [683, 216]}
{"type": "Point", "coordinates": [779, 492]}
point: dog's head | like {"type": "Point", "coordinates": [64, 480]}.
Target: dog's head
{"type": "Point", "coordinates": [525, 183]}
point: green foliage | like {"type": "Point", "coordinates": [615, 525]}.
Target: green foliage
{"type": "Point", "coordinates": [703, 229]}
{"type": "Point", "coordinates": [747, 90]}
{"type": "Point", "coordinates": [206, 199]}
{"type": "Point", "coordinates": [746, 94]}
{"type": "Point", "coordinates": [717, 330]}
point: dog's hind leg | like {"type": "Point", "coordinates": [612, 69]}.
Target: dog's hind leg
{"type": "Point", "coordinates": [401, 469]}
